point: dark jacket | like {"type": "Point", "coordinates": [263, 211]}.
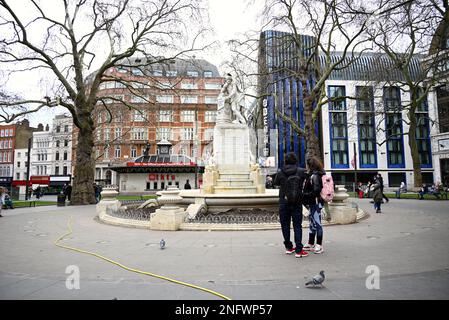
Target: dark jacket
{"type": "Point", "coordinates": [312, 188]}
{"type": "Point", "coordinates": [282, 176]}
{"type": "Point", "coordinates": [376, 188]}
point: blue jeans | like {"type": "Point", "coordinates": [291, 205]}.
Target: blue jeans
{"type": "Point", "coordinates": [315, 226]}
{"type": "Point", "coordinates": [287, 214]}
{"type": "Point", "coordinates": [377, 205]}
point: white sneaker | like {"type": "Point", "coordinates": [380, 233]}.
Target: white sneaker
{"type": "Point", "coordinates": [308, 247]}
{"type": "Point", "coordinates": [318, 249]}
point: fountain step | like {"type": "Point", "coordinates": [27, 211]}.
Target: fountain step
{"type": "Point", "coordinates": [234, 176]}
{"type": "Point", "coordinates": [234, 183]}
{"type": "Point", "coordinates": [242, 189]}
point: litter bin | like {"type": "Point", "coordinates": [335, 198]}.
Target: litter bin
{"type": "Point", "coordinates": [61, 200]}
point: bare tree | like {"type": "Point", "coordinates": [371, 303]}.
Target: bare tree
{"type": "Point", "coordinates": [87, 35]}
{"type": "Point", "coordinates": [404, 32]}
{"type": "Point", "coordinates": [334, 25]}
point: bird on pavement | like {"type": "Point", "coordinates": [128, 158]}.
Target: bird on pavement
{"type": "Point", "coordinates": [162, 244]}
{"type": "Point", "coordinates": [317, 279]}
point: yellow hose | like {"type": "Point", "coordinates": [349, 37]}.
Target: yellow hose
{"type": "Point", "coordinates": [128, 268]}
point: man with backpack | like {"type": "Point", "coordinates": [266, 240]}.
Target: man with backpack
{"type": "Point", "coordinates": [291, 179]}
{"type": "Point", "coordinates": [318, 190]}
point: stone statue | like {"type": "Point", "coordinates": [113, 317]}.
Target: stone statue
{"type": "Point", "coordinates": [229, 102]}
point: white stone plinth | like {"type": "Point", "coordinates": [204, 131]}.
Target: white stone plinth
{"type": "Point", "coordinates": [231, 147]}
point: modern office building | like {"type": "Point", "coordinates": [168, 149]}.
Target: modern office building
{"type": "Point", "coordinates": [365, 124]}
{"type": "Point", "coordinates": [176, 102]}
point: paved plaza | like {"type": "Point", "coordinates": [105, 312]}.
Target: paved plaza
{"type": "Point", "coordinates": [408, 243]}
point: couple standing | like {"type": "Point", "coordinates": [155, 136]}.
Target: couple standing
{"type": "Point", "coordinates": [310, 183]}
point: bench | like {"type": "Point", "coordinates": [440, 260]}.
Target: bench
{"type": "Point", "coordinates": [441, 194]}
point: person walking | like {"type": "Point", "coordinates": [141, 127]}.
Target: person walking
{"type": "Point", "coordinates": [68, 191]}
{"type": "Point", "coordinates": [381, 182]}
{"type": "Point", "coordinates": [2, 199]}
{"type": "Point", "coordinates": [187, 186]}
{"type": "Point", "coordinates": [376, 188]}
{"type": "Point", "coordinates": [312, 199]}
{"type": "Point", "coordinates": [290, 180]}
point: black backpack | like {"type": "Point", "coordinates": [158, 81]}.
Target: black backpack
{"type": "Point", "coordinates": [293, 188]}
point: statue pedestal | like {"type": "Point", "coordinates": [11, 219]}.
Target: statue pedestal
{"type": "Point", "coordinates": [232, 171]}
{"type": "Point", "coordinates": [108, 201]}
{"type": "Point", "coordinates": [169, 217]}
{"type": "Point", "coordinates": [340, 210]}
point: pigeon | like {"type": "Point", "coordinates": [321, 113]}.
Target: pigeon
{"type": "Point", "coordinates": [317, 279]}
{"type": "Point", "coordinates": [162, 244]}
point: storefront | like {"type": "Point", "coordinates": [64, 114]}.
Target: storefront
{"type": "Point", "coordinates": [151, 173]}
{"type": "Point", "coordinates": [57, 183]}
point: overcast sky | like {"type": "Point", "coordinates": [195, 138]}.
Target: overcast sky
{"type": "Point", "coordinates": [229, 19]}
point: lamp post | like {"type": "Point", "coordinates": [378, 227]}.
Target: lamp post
{"type": "Point", "coordinates": [30, 140]}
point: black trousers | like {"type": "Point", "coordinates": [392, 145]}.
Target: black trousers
{"type": "Point", "coordinates": [291, 213]}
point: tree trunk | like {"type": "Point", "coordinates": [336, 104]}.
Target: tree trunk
{"type": "Point", "coordinates": [311, 139]}
{"type": "Point", "coordinates": [414, 150]}
{"type": "Point", "coordinates": [83, 190]}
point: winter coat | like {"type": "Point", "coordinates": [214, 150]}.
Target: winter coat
{"type": "Point", "coordinates": [282, 176]}
{"type": "Point", "coordinates": [312, 188]}
{"type": "Point", "coordinates": [376, 188]}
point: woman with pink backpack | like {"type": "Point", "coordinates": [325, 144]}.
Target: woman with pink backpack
{"type": "Point", "coordinates": [313, 199]}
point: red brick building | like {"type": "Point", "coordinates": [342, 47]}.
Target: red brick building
{"type": "Point", "coordinates": [176, 101]}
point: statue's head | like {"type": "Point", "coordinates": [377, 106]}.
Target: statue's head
{"type": "Point", "coordinates": [228, 78]}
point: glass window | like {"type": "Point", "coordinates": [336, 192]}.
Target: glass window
{"type": "Point", "coordinates": [210, 116]}
{"type": "Point", "coordinates": [118, 133]}
{"type": "Point", "coordinates": [189, 99]}
{"type": "Point", "coordinates": [212, 86]}
{"type": "Point", "coordinates": [336, 100]}
{"type": "Point", "coordinates": [133, 152]}
{"type": "Point", "coordinates": [138, 99]}
{"type": "Point", "coordinates": [365, 98]}
{"type": "Point", "coordinates": [394, 139]}
{"type": "Point", "coordinates": [188, 116]}
{"type": "Point", "coordinates": [163, 134]}
{"type": "Point", "coordinates": [208, 74]}
{"type": "Point", "coordinates": [210, 100]}
{"type": "Point", "coordinates": [165, 115]}
{"type": "Point", "coordinates": [140, 115]}
{"type": "Point", "coordinates": [171, 73]}
{"type": "Point", "coordinates": [164, 99]}
{"type": "Point", "coordinates": [339, 140]}
{"type": "Point", "coordinates": [117, 151]}
{"type": "Point", "coordinates": [187, 133]}
{"type": "Point", "coordinates": [192, 73]}
{"type": "Point", "coordinates": [189, 85]}
{"type": "Point", "coordinates": [139, 134]}
{"type": "Point", "coordinates": [157, 73]}
{"type": "Point", "coordinates": [423, 139]}
{"type": "Point", "coordinates": [392, 98]}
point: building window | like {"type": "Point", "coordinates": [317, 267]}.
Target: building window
{"type": "Point", "coordinates": [157, 73]}
{"type": "Point", "coordinates": [423, 139]}
{"type": "Point", "coordinates": [165, 115]}
{"type": "Point", "coordinates": [57, 170]}
{"type": "Point", "coordinates": [139, 134]}
{"type": "Point", "coordinates": [339, 140]}
{"type": "Point", "coordinates": [138, 99]}
{"type": "Point", "coordinates": [392, 99]}
{"type": "Point", "coordinates": [66, 143]}
{"type": "Point", "coordinates": [187, 116]}
{"type": "Point", "coordinates": [187, 133]}
{"type": "Point", "coordinates": [18, 176]}
{"type": "Point", "coordinates": [140, 115]}
{"type": "Point", "coordinates": [106, 153]}
{"type": "Point", "coordinates": [66, 128]}
{"type": "Point", "coordinates": [133, 152]}
{"type": "Point", "coordinates": [65, 155]}
{"type": "Point", "coordinates": [117, 152]}
{"type": "Point", "coordinates": [171, 73]}
{"type": "Point", "coordinates": [107, 134]}
{"type": "Point", "coordinates": [423, 106]}
{"type": "Point", "coordinates": [212, 86]}
{"type": "Point", "coordinates": [189, 85]}
{"type": "Point", "coordinates": [192, 73]}
{"type": "Point", "coordinates": [64, 170]}
{"type": "Point", "coordinates": [18, 164]}
{"type": "Point", "coordinates": [58, 128]}
{"type": "Point", "coordinates": [136, 71]}
{"type": "Point", "coordinates": [189, 99]}
{"type": "Point", "coordinates": [119, 116]}
{"type": "Point", "coordinates": [118, 133]}
{"type": "Point", "coordinates": [56, 156]}
{"type": "Point", "coordinates": [210, 100]}
{"type": "Point", "coordinates": [210, 116]}
{"type": "Point", "coordinates": [208, 74]}
{"type": "Point", "coordinates": [57, 143]}
{"type": "Point", "coordinates": [366, 127]}
{"type": "Point", "coordinates": [163, 134]}
{"type": "Point", "coordinates": [395, 147]}
{"type": "Point", "coordinates": [164, 99]}
{"type": "Point", "coordinates": [337, 101]}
